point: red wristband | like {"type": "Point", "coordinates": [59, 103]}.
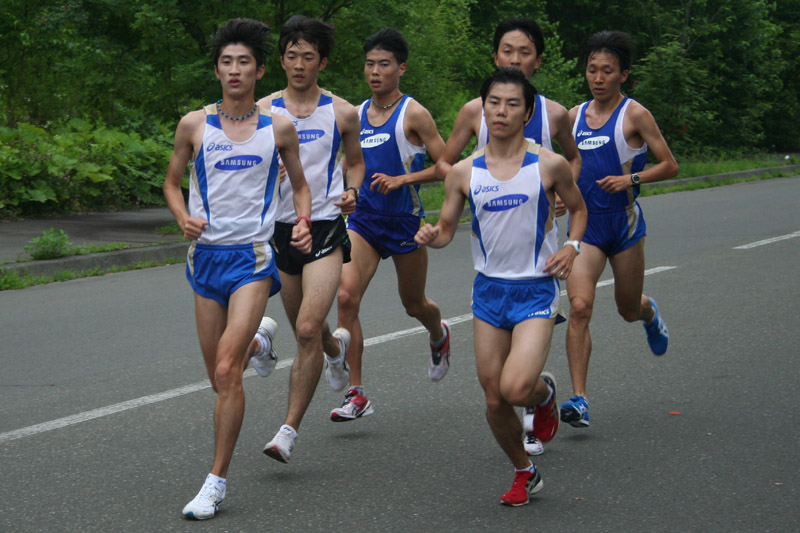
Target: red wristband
{"type": "Point", "coordinates": [308, 221]}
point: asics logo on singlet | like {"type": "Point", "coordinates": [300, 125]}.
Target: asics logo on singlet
{"type": "Point", "coordinates": [375, 140]}
{"type": "Point", "coordinates": [503, 203]}
{"type": "Point", "coordinates": [213, 147]}
{"type": "Point", "coordinates": [584, 133]}
{"type": "Point", "coordinates": [307, 136]}
{"type": "Point", "coordinates": [594, 142]}
{"type": "Point", "coordinates": [238, 163]}
{"type": "Point", "coordinates": [485, 188]}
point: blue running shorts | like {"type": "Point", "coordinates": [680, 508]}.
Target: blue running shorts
{"type": "Point", "coordinates": [616, 231]}
{"type": "Point", "coordinates": [388, 235]}
{"type": "Point", "coordinates": [504, 303]}
{"type": "Point", "coordinates": [216, 271]}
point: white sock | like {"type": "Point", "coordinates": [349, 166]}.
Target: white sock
{"type": "Point", "coordinates": [440, 342]}
{"type": "Point", "coordinates": [291, 430]}
{"type": "Point", "coordinates": [531, 469]}
{"type": "Point", "coordinates": [216, 480]}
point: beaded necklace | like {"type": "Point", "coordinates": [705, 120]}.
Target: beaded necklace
{"type": "Point", "coordinates": [224, 114]}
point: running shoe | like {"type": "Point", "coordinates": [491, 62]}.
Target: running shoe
{"type": "Point", "coordinates": [657, 333]}
{"type": "Point", "coordinates": [281, 446]}
{"type": "Point", "coordinates": [355, 406]}
{"type": "Point", "coordinates": [545, 419]}
{"type": "Point", "coordinates": [440, 357]}
{"type": "Point", "coordinates": [206, 503]}
{"type": "Point", "coordinates": [337, 372]}
{"type": "Point", "coordinates": [525, 484]}
{"type": "Point", "coordinates": [575, 412]}
{"type": "Point", "coordinates": [265, 362]}
{"type": "Point", "coordinates": [533, 446]}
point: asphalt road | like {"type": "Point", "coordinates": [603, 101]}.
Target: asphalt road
{"type": "Point", "coordinates": [106, 420]}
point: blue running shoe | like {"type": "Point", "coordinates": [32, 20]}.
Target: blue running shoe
{"type": "Point", "coordinates": [657, 333]}
{"type": "Point", "coordinates": [575, 412]}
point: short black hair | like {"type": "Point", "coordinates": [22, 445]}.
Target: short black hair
{"type": "Point", "coordinates": [249, 32]}
{"type": "Point", "coordinates": [313, 31]}
{"type": "Point", "coordinates": [388, 39]}
{"type": "Point", "coordinates": [527, 26]}
{"type": "Point", "coordinates": [616, 43]}
{"type": "Point", "coordinates": [512, 76]}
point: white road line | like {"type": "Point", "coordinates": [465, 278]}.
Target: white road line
{"type": "Point", "coordinates": [768, 241]}
{"type": "Point", "coordinates": [195, 387]}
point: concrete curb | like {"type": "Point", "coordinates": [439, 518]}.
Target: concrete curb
{"type": "Point", "coordinates": [101, 260]}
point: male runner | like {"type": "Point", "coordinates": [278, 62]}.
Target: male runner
{"type": "Point", "coordinates": [395, 132]}
{"type": "Point", "coordinates": [613, 134]}
{"type": "Point", "coordinates": [326, 126]}
{"type": "Point", "coordinates": [517, 43]}
{"type": "Point", "coordinates": [511, 183]}
{"type": "Point", "coordinates": [233, 147]}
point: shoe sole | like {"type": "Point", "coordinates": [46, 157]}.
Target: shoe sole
{"type": "Point", "coordinates": [339, 418]}
{"type": "Point", "coordinates": [275, 453]}
{"type": "Point", "coordinates": [574, 419]}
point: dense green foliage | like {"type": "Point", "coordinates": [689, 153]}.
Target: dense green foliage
{"type": "Point", "coordinates": [78, 166]}
{"type": "Point", "coordinates": [90, 90]}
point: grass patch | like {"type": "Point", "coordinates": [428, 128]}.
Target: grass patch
{"type": "Point", "coordinates": [55, 243]}
{"type": "Point", "coordinates": [169, 229]}
{"type": "Point", "coordinates": [703, 167]}
{"type": "Point", "coordinates": [12, 280]}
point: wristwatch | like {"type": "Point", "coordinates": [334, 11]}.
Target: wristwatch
{"type": "Point", "coordinates": [352, 189]}
{"type": "Point", "coordinates": [635, 179]}
{"type": "Point", "coordinates": [574, 244]}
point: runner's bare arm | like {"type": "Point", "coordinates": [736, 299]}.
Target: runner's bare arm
{"type": "Point", "coordinates": [557, 175]}
{"type": "Point", "coordinates": [561, 126]}
{"type": "Point", "coordinates": [456, 186]}
{"type": "Point", "coordinates": [640, 126]}
{"type": "Point", "coordinates": [184, 147]}
{"type": "Point", "coordinates": [289, 149]}
{"type": "Point", "coordinates": [349, 127]}
{"type": "Point", "coordinates": [464, 129]}
{"type": "Point", "coordinates": [421, 130]}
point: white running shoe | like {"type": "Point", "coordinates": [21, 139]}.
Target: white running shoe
{"type": "Point", "coordinates": [281, 446]}
{"type": "Point", "coordinates": [533, 446]}
{"type": "Point", "coordinates": [206, 503]}
{"type": "Point", "coordinates": [265, 362]}
{"type": "Point", "coordinates": [337, 372]}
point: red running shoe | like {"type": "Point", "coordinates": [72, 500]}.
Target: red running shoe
{"type": "Point", "coordinates": [525, 484]}
{"type": "Point", "coordinates": [545, 421]}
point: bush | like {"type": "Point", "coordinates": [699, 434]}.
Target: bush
{"type": "Point", "coordinates": [51, 244]}
{"type": "Point", "coordinates": [79, 167]}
